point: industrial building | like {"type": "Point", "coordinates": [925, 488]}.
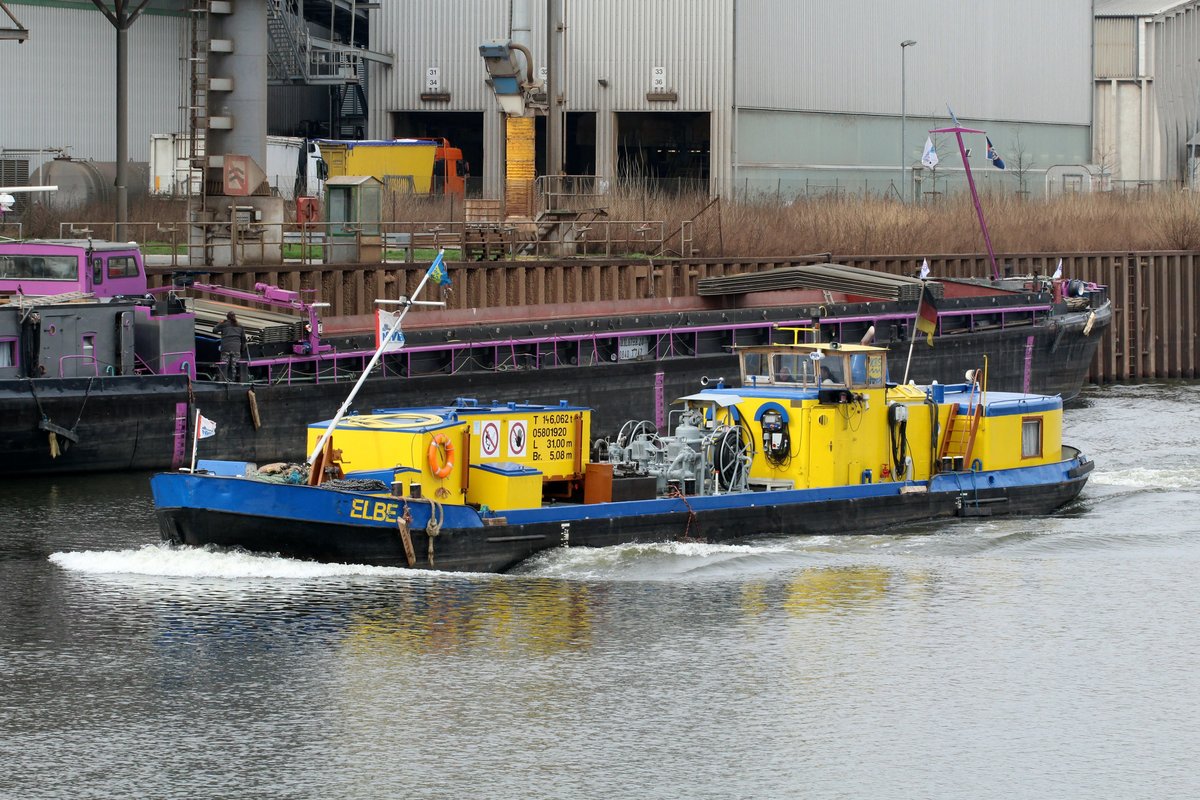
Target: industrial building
{"type": "Point", "coordinates": [736, 97]}
{"type": "Point", "coordinates": [1147, 119]}
{"type": "Point", "coordinates": [755, 96]}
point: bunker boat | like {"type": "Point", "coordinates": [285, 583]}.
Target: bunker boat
{"type": "Point", "coordinates": [815, 440]}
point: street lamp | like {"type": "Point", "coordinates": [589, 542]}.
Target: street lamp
{"type": "Point", "coordinates": [907, 43]}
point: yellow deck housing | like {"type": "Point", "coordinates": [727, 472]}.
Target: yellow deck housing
{"type": "Point", "coordinates": [830, 420]}
{"type": "Point", "coordinates": [517, 448]}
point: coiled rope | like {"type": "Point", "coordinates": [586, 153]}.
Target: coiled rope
{"type": "Point", "coordinates": [437, 518]}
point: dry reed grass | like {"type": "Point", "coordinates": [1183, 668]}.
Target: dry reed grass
{"type": "Point", "coordinates": [845, 226]}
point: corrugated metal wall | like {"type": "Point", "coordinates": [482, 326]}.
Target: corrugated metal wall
{"type": "Point", "coordinates": [60, 85]}
{"type": "Point", "coordinates": [1025, 60]}
{"type": "Point", "coordinates": [1177, 83]}
{"type": "Point", "coordinates": [619, 41]}
{"type": "Point", "coordinates": [791, 56]}
{"type": "Point", "coordinates": [1116, 47]}
{"type": "Point", "coordinates": [435, 33]}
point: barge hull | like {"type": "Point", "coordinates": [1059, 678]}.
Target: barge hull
{"type": "Point", "coordinates": [140, 422]}
{"type": "Point", "coordinates": [498, 548]}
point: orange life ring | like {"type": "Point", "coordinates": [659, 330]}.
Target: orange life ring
{"type": "Point", "coordinates": [441, 448]}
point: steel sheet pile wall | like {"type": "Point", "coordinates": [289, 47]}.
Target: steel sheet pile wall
{"type": "Point", "coordinates": [1156, 296]}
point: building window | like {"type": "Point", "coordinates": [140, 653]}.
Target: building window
{"type": "Point", "coordinates": [1031, 437]}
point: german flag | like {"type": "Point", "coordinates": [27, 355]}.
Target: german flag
{"type": "Point", "coordinates": [927, 314]}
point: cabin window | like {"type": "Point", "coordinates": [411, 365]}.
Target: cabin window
{"type": "Point", "coordinates": [40, 268]}
{"type": "Point", "coordinates": [122, 267]}
{"type": "Point", "coordinates": [754, 368]}
{"type": "Point", "coordinates": [1031, 437]}
{"type": "Point", "coordinates": [97, 270]}
{"type": "Point", "coordinates": [832, 371]}
{"type": "Point", "coordinates": [8, 352]}
{"type": "Point", "coordinates": [792, 368]}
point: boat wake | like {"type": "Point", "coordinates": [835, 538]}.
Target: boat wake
{"type": "Point", "coordinates": [663, 561]}
{"type": "Point", "coordinates": [168, 561]}
{"type": "Point", "coordinates": [1183, 477]}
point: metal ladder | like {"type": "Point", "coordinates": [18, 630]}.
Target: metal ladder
{"type": "Point", "coordinates": [197, 108]}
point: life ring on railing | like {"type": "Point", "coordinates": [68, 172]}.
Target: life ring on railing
{"type": "Point", "coordinates": [441, 456]}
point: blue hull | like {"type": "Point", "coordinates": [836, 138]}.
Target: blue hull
{"type": "Point", "coordinates": [357, 527]}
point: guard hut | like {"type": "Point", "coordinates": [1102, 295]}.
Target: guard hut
{"type": "Point", "coordinates": [354, 206]}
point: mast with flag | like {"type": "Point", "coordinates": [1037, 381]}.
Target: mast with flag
{"type": "Point", "coordinates": [958, 131]}
{"type": "Point", "coordinates": [438, 273]}
{"type": "Point", "coordinates": [203, 429]}
{"type": "Point", "coordinates": [926, 319]}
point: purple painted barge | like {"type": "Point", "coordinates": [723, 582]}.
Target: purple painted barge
{"type": "Point", "coordinates": [97, 374]}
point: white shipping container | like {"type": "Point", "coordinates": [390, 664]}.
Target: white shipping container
{"type": "Point", "coordinates": [169, 173]}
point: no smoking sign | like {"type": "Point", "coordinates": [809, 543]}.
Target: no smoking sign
{"type": "Point", "coordinates": [489, 440]}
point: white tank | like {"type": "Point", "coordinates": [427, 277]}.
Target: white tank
{"type": "Point", "coordinates": [81, 183]}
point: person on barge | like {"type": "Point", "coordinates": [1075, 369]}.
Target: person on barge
{"type": "Point", "coordinates": [232, 347]}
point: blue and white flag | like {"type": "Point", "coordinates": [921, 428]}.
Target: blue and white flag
{"type": "Point", "coordinates": [993, 156]}
{"type": "Point", "coordinates": [205, 427]}
{"type": "Point", "coordinates": [924, 269]}
{"type": "Point", "coordinates": [930, 157]}
{"type": "Point", "coordinates": [1057, 271]}
{"type": "Point", "coordinates": [438, 272]}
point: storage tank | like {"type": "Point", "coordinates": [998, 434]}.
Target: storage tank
{"type": "Point", "coordinates": [81, 182]}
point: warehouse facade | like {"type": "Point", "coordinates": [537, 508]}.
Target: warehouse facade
{"type": "Point", "coordinates": [756, 97]}
{"type": "Point", "coordinates": [1148, 92]}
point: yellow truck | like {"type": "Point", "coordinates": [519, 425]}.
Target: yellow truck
{"type": "Point", "coordinates": [417, 166]}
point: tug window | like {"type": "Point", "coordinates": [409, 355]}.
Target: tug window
{"type": "Point", "coordinates": [1031, 437]}
{"type": "Point", "coordinates": [831, 371]}
{"type": "Point", "coordinates": [754, 366]}
{"type": "Point", "coordinates": [792, 368]}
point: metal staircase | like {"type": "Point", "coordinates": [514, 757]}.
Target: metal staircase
{"type": "Point", "coordinates": [295, 56]}
{"type": "Point", "coordinates": [285, 59]}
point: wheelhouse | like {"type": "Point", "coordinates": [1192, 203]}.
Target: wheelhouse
{"type": "Point", "coordinates": [814, 366]}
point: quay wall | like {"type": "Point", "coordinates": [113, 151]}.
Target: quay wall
{"type": "Point", "coordinates": [1155, 294]}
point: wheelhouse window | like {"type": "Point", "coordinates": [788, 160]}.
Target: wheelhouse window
{"type": "Point", "coordinates": [792, 368]}
{"type": "Point", "coordinates": [122, 267]}
{"type": "Point", "coordinates": [1031, 437]}
{"type": "Point", "coordinates": [832, 371]}
{"type": "Point", "coordinates": [40, 268]}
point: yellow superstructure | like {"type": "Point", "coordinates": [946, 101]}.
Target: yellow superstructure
{"type": "Point", "coordinates": [500, 456]}
{"type": "Point", "coordinates": [822, 415]}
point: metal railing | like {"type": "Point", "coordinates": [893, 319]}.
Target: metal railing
{"type": "Point", "coordinates": [383, 243]}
